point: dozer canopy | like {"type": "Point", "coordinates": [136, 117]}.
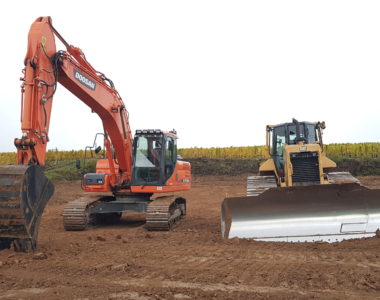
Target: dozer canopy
{"type": "Point", "coordinates": [328, 213]}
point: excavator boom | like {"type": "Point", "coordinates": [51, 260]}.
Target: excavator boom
{"type": "Point", "coordinates": [24, 189]}
{"type": "Point", "coordinates": [44, 68]}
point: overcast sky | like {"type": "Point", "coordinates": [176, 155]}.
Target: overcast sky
{"type": "Point", "coordinates": [216, 71]}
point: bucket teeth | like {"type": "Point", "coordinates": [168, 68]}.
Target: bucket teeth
{"type": "Point", "coordinates": [24, 192]}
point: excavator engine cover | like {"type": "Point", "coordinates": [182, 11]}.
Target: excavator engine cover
{"type": "Point", "coordinates": [24, 192]}
{"type": "Point", "coordinates": [328, 213]}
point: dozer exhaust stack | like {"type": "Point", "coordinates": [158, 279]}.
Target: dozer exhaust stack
{"type": "Point", "coordinates": [24, 192]}
{"type": "Point", "coordinates": [328, 213]}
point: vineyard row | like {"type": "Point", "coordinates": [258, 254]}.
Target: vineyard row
{"type": "Point", "coordinates": [359, 150]}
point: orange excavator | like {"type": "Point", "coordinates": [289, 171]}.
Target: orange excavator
{"type": "Point", "coordinates": [132, 172]}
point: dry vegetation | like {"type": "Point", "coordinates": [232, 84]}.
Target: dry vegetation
{"type": "Point", "coordinates": [359, 150]}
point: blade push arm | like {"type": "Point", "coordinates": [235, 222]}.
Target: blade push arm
{"type": "Point", "coordinates": [44, 68]}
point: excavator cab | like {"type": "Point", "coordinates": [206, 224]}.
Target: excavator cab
{"type": "Point", "coordinates": [155, 157]}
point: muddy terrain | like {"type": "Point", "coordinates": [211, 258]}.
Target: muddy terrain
{"type": "Point", "coordinates": [124, 261]}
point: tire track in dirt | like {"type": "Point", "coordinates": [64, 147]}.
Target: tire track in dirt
{"type": "Point", "coordinates": [228, 288]}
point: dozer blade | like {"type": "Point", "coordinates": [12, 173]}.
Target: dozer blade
{"type": "Point", "coordinates": [328, 213]}
{"type": "Point", "coordinates": [24, 192]}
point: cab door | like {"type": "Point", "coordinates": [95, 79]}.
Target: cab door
{"type": "Point", "coordinates": [170, 156]}
{"type": "Point", "coordinates": [279, 142]}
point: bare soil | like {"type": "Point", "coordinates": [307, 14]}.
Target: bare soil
{"type": "Point", "coordinates": [124, 261]}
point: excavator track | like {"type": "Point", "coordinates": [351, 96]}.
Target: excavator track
{"type": "Point", "coordinates": [164, 212]}
{"type": "Point", "coordinates": [257, 185]}
{"type": "Point", "coordinates": [76, 214]}
{"type": "Point", "coordinates": [24, 192]}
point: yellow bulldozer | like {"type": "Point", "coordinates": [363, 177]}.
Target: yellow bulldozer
{"type": "Point", "coordinates": [296, 197]}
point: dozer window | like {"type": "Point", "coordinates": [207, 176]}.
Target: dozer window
{"type": "Point", "coordinates": [270, 141]}
{"type": "Point", "coordinates": [279, 140]}
{"type": "Point", "coordinates": [311, 134]}
{"type": "Point", "coordinates": [148, 154]}
{"type": "Point", "coordinates": [292, 129]}
{"type": "Point", "coordinates": [292, 134]}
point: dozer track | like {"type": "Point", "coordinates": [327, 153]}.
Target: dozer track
{"type": "Point", "coordinates": [164, 212]}
{"type": "Point", "coordinates": [341, 178]}
{"type": "Point", "coordinates": [24, 192]}
{"type": "Point", "coordinates": [256, 185]}
{"type": "Point", "coordinates": [76, 214]}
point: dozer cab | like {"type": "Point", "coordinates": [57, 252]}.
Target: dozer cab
{"type": "Point", "coordinates": [297, 198]}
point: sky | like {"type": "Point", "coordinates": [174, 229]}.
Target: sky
{"type": "Point", "coordinates": [216, 71]}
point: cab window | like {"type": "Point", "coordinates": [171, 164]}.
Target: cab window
{"type": "Point", "coordinates": [147, 161]}
{"type": "Point", "coordinates": [293, 133]}
{"type": "Point", "coordinates": [270, 140]}
{"type": "Point", "coordinates": [311, 134]}
{"type": "Point", "coordinates": [279, 140]}
{"type": "Point", "coordinates": [170, 156]}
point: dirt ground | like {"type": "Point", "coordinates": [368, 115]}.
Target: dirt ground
{"type": "Point", "coordinates": [124, 261]}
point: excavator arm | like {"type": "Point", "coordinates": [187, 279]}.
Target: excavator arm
{"type": "Point", "coordinates": [24, 189]}
{"type": "Point", "coordinates": [44, 68]}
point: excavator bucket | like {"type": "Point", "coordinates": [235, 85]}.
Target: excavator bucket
{"type": "Point", "coordinates": [329, 213]}
{"type": "Point", "coordinates": [24, 192]}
